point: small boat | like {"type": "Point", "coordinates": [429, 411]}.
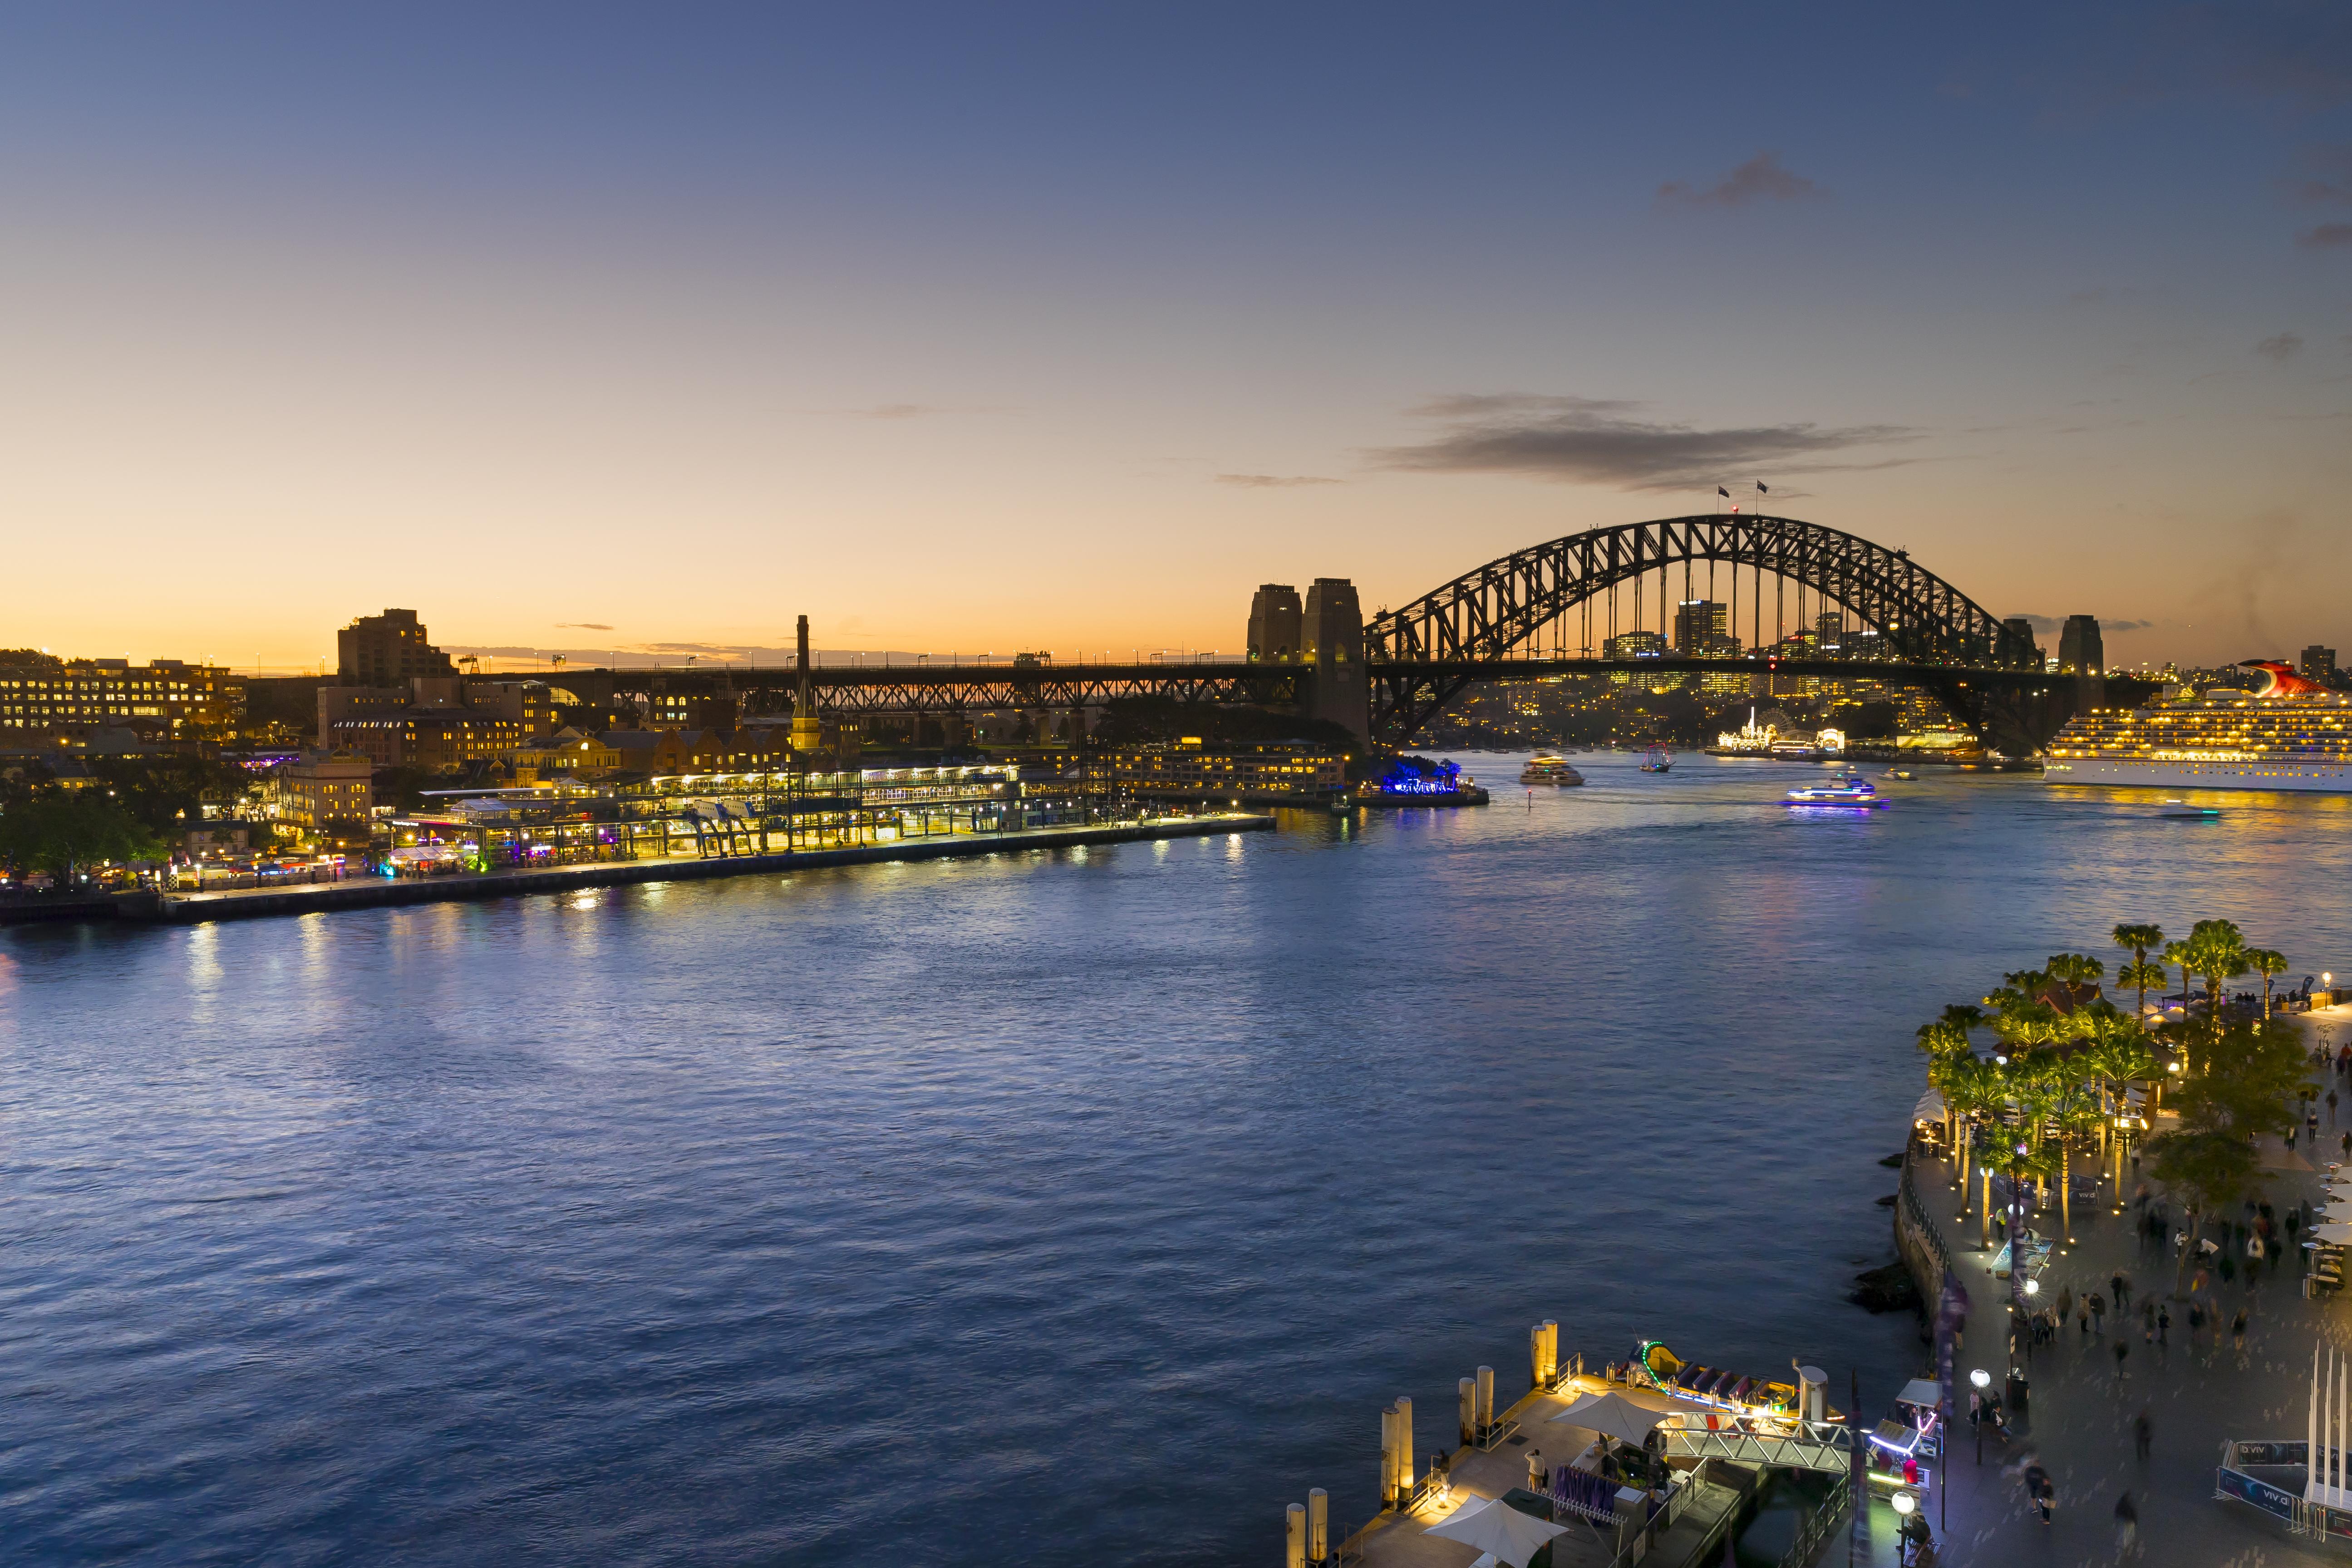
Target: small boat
{"type": "Point", "coordinates": [1848, 789]}
{"type": "Point", "coordinates": [1547, 767]}
{"type": "Point", "coordinates": [1658, 760]}
{"type": "Point", "coordinates": [1906, 775]}
{"type": "Point", "coordinates": [2181, 811]}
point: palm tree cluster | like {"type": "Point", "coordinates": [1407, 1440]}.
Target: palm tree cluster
{"type": "Point", "coordinates": [2062, 1058]}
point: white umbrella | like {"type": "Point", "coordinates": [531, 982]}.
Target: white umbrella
{"type": "Point", "coordinates": [1496, 1527]}
{"type": "Point", "coordinates": [1613, 1415]}
{"type": "Point", "coordinates": [2333, 1232]}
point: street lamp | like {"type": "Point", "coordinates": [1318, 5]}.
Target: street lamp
{"type": "Point", "coordinates": [1903, 1504]}
{"type": "Point", "coordinates": [1981, 1380]}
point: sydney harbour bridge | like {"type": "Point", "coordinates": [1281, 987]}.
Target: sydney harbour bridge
{"type": "Point", "coordinates": [1562, 608]}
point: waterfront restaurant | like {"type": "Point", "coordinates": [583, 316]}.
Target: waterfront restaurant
{"type": "Point", "coordinates": [708, 815]}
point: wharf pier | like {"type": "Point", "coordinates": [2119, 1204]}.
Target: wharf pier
{"type": "Point", "coordinates": [367, 891]}
{"type": "Point", "coordinates": [1704, 1511]}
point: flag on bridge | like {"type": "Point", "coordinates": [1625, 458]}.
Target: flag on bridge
{"type": "Point", "coordinates": [1761, 489]}
{"type": "Point", "coordinates": [1724, 493]}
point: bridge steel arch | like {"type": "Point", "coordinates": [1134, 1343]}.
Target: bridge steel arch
{"type": "Point", "coordinates": [1505, 605]}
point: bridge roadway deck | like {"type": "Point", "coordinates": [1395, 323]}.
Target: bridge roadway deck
{"type": "Point", "coordinates": [372, 892]}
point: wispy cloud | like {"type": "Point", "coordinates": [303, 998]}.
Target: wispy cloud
{"type": "Point", "coordinates": [2281, 348]}
{"type": "Point", "coordinates": [895, 410]}
{"type": "Point", "coordinates": [2328, 181]}
{"type": "Point", "coordinates": [2326, 237]}
{"type": "Point", "coordinates": [581, 627]}
{"type": "Point", "coordinates": [1761, 178]}
{"type": "Point", "coordinates": [1598, 441]}
{"type": "Point", "coordinates": [1274, 482]}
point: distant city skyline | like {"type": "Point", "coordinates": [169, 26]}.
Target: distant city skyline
{"type": "Point", "coordinates": [1055, 328]}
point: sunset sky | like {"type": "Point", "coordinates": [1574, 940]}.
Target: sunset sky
{"type": "Point", "coordinates": [982, 327]}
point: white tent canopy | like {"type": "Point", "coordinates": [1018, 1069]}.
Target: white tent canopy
{"type": "Point", "coordinates": [2332, 1231]}
{"type": "Point", "coordinates": [1613, 1415]}
{"type": "Point", "coordinates": [1929, 1109]}
{"type": "Point", "coordinates": [1495, 1527]}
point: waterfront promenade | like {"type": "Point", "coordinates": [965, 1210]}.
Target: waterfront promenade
{"type": "Point", "coordinates": [365, 891]}
{"type": "Point", "coordinates": [2195, 1397]}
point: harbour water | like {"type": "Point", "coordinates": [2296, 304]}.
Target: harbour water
{"type": "Point", "coordinates": [1050, 1208]}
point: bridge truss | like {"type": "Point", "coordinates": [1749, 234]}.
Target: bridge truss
{"type": "Point", "coordinates": [1422, 656]}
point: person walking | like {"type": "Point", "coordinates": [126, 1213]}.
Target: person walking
{"type": "Point", "coordinates": [2098, 1305]}
{"type": "Point", "coordinates": [2127, 1525]}
{"type": "Point", "coordinates": [2122, 1286]}
{"type": "Point", "coordinates": [2122, 1349]}
{"type": "Point", "coordinates": [2238, 1331]}
{"type": "Point", "coordinates": [2082, 1315]}
{"type": "Point", "coordinates": [2148, 1323]}
{"type": "Point", "coordinates": [2163, 1327]}
{"type": "Point", "coordinates": [2143, 1435]}
{"type": "Point", "coordinates": [2065, 1302]}
{"type": "Point", "coordinates": [2331, 1108]}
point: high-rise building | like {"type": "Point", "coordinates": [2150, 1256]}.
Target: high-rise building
{"type": "Point", "coordinates": [2318, 664]}
{"type": "Point", "coordinates": [388, 651]}
{"type": "Point", "coordinates": [1829, 633]}
{"type": "Point", "coordinates": [1702, 629]}
{"type": "Point", "coordinates": [2079, 651]}
{"type": "Point", "coordinates": [1277, 624]}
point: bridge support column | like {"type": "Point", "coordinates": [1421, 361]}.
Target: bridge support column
{"type": "Point", "coordinates": [1339, 690]}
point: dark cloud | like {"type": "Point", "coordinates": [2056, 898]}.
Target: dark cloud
{"type": "Point", "coordinates": [2279, 349]}
{"type": "Point", "coordinates": [1273, 481]}
{"type": "Point", "coordinates": [1760, 178]}
{"type": "Point", "coordinates": [2294, 51]}
{"type": "Point", "coordinates": [2326, 237]}
{"type": "Point", "coordinates": [581, 627]}
{"type": "Point", "coordinates": [1595, 441]}
{"type": "Point", "coordinates": [2047, 623]}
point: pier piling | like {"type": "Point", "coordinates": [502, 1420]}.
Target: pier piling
{"type": "Point", "coordinates": [1294, 1539]}
{"type": "Point", "coordinates": [1318, 1527]}
{"type": "Point", "coordinates": [1468, 1392]}
{"type": "Point", "coordinates": [1405, 1452]}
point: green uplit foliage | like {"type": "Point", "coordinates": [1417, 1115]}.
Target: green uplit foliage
{"type": "Point", "coordinates": [168, 795]}
{"type": "Point", "coordinates": [2249, 1074]}
{"type": "Point", "coordinates": [63, 831]}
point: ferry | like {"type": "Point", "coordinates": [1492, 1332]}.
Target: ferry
{"type": "Point", "coordinates": [1549, 768]}
{"type": "Point", "coordinates": [1735, 1393]}
{"type": "Point", "coordinates": [1848, 789]}
{"type": "Point", "coordinates": [2288, 735]}
{"type": "Point", "coordinates": [1658, 760]}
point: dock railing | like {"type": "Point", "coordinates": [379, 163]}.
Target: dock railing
{"type": "Point", "coordinates": [1916, 1208]}
{"type": "Point", "coordinates": [1819, 1526]}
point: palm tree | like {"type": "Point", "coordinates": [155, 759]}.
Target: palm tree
{"type": "Point", "coordinates": [2270, 963]}
{"type": "Point", "coordinates": [2176, 955]}
{"type": "Point", "coordinates": [2139, 939]}
{"type": "Point", "coordinates": [1970, 1086]}
{"type": "Point", "coordinates": [2074, 969]}
{"type": "Point", "coordinates": [2217, 950]}
{"type": "Point", "coordinates": [2140, 975]}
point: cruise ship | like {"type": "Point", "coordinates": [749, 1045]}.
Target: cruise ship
{"type": "Point", "coordinates": [2289, 734]}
